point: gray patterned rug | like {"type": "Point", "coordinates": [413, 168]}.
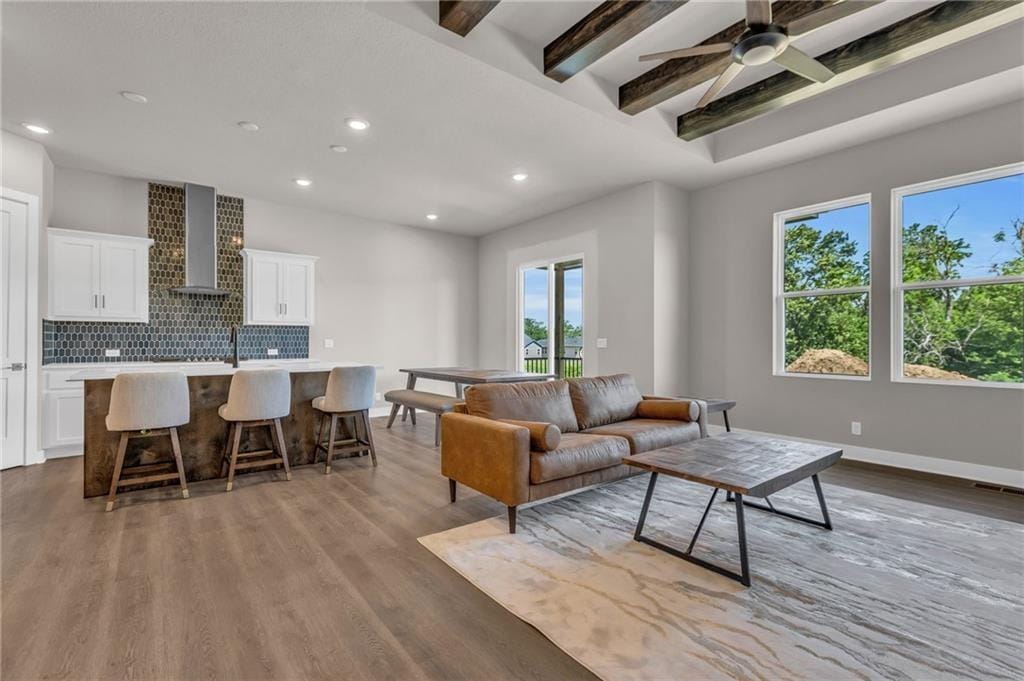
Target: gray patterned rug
{"type": "Point", "coordinates": [898, 590]}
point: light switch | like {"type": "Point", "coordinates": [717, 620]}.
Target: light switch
{"type": "Point", "coordinates": [328, 342]}
{"type": "Point", "coordinates": [272, 352]}
{"type": "Point", "coordinates": [602, 342]}
{"type": "Point", "coordinates": [855, 427]}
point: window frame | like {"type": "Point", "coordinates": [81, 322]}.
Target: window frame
{"type": "Point", "coordinates": [898, 287]}
{"type": "Point", "coordinates": [780, 295]}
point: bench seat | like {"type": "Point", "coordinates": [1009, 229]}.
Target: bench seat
{"type": "Point", "coordinates": [418, 399]}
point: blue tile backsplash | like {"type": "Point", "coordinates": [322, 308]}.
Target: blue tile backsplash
{"type": "Point", "coordinates": [180, 326]}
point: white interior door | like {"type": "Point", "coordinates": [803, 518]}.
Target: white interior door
{"type": "Point", "coordinates": [13, 328]}
{"type": "Point", "coordinates": [119, 278]}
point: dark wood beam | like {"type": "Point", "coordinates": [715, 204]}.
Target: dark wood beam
{"type": "Point", "coordinates": [461, 16]}
{"type": "Point", "coordinates": [932, 29]}
{"type": "Point", "coordinates": [676, 76]}
{"type": "Point", "coordinates": [600, 32]}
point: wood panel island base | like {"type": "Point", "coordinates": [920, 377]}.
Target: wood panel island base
{"type": "Point", "coordinates": [203, 438]}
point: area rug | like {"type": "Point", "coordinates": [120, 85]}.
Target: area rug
{"type": "Point", "coordinates": [899, 590]}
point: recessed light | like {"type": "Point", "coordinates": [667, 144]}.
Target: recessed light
{"type": "Point", "coordinates": [248, 126]}
{"type": "Point", "coordinates": [338, 148]}
{"type": "Point", "coordinates": [357, 123]}
{"type": "Point", "coordinates": [38, 129]}
{"type": "Point", "coordinates": [431, 217]}
{"type": "Point", "coordinates": [134, 97]}
{"type": "Point", "coordinates": [302, 182]}
{"type": "Point", "coordinates": [520, 177]}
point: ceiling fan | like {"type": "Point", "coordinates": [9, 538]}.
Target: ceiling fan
{"type": "Point", "coordinates": [762, 42]}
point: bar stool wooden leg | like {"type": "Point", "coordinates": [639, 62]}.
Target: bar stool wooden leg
{"type": "Point", "coordinates": [284, 450]}
{"type": "Point", "coordinates": [319, 436]}
{"type": "Point", "coordinates": [365, 416]}
{"type": "Point", "coordinates": [412, 415]}
{"type": "Point", "coordinates": [393, 414]}
{"type": "Point", "coordinates": [122, 447]}
{"type": "Point", "coordinates": [236, 441]}
{"type": "Point", "coordinates": [330, 443]}
{"type": "Point", "coordinates": [437, 430]}
{"type": "Point", "coordinates": [176, 446]}
{"type": "Point", "coordinates": [226, 449]}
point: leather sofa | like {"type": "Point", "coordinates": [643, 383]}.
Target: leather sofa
{"type": "Point", "coordinates": [523, 442]}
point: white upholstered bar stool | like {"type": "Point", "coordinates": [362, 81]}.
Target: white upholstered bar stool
{"type": "Point", "coordinates": [256, 398]}
{"type": "Point", "coordinates": [146, 404]}
{"type": "Point", "coordinates": [349, 394]}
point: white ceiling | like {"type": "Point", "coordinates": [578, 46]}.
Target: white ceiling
{"type": "Point", "coordinates": [451, 118]}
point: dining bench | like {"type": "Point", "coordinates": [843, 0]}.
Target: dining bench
{"type": "Point", "coordinates": [433, 403]}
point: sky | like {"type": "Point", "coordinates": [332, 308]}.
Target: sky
{"type": "Point", "coordinates": [984, 209]}
{"type": "Point", "coordinates": [535, 289]}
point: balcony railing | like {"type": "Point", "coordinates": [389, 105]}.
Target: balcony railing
{"type": "Point", "coordinates": [564, 367]}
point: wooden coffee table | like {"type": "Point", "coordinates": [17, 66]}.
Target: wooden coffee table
{"type": "Point", "coordinates": [743, 465]}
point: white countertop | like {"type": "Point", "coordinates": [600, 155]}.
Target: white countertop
{"type": "Point", "coordinates": [99, 371]}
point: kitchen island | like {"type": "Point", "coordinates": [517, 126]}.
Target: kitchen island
{"type": "Point", "coordinates": [204, 437]}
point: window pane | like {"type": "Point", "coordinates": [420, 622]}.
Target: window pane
{"type": "Point", "coordinates": [827, 335]}
{"type": "Point", "coordinates": [828, 249]}
{"type": "Point", "coordinates": [973, 230]}
{"type": "Point", "coordinates": [966, 333]}
{"type": "Point", "coordinates": [535, 320]}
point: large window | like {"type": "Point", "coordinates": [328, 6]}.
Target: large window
{"type": "Point", "coordinates": [821, 286]}
{"type": "Point", "coordinates": [958, 279]}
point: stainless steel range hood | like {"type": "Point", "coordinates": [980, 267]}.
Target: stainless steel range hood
{"type": "Point", "coordinates": [201, 242]}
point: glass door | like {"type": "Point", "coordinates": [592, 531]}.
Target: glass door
{"type": "Point", "coordinates": [550, 324]}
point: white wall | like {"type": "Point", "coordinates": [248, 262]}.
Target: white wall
{"type": "Point", "coordinates": [386, 294]}
{"type": "Point", "coordinates": [730, 349]}
{"type": "Point", "coordinates": [619, 236]}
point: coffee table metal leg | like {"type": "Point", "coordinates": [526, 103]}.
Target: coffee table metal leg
{"type": "Point", "coordinates": [700, 525]}
{"type": "Point", "coordinates": [821, 502]}
{"type": "Point", "coordinates": [741, 531]}
{"type": "Point", "coordinates": [647, 503]}
{"type": "Point", "coordinates": [826, 521]}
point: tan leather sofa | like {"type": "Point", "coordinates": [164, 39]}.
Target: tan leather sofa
{"type": "Point", "coordinates": [523, 442]}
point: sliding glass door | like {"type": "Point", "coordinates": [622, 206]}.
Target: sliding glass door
{"type": "Point", "coordinates": [550, 318]}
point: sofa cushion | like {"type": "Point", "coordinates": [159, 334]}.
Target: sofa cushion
{"type": "Point", "coordinates": [543, 401]}
{"type": "Point", "coordinates": [544, 437]}
{"type": "Point", "coordinates": [577, 453]}
{"type": "Point", "coordinates": [676, 410]}
{"type": "Point", "coordinates": [604, 399]}
{"type": "Point", "coordinates": [644, 435]}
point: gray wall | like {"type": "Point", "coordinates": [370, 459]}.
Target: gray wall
{"type": "Point", "coordinates": [730, 349]}
{"type": "Point", "coordinates": [387, 294]}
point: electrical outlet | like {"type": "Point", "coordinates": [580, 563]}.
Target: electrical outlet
{"type": "Point", "coordinates": [272, 352]}
{"type": "Point", "coordinates": [855, 427]}
{"type": "Point", "coordinates": [602, 342]}
{"type": "Point", "coordinates": [328, 342]}
{"type": "Point", "coordinates": [112, 352]}
{"type": "Point", "coordinates": [378, 397]}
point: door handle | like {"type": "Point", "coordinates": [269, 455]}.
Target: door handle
{"type": "Point", "coordinates": [95, 300]}
{"type": "Point", "coordinates": [103, 298]}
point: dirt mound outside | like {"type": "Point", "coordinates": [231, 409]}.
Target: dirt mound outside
{"type": "Point", "coordinates": [925, 371]}
{"type": "Point", "coordinates": [827, 361]}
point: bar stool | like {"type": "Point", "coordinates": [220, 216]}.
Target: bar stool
{"type": "Point", "coordinates": [256, 398]}
{"type": "Point", "coordinates": [349, 394]}
{"type": "Point", "coordinates": [147, 404]}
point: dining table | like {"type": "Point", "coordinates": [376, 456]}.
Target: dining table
{"type": "Point", "coordinates": [463, 376]}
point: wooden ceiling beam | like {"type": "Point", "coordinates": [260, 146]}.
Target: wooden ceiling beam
{"type": "Point", "coordinates": [461, 16]}
{"type": "Point", "coordinates": [595, 35]}
{"type": "Point", "coordinates": [676, 76]}
{"type": "Point", "coordinates": [932, 29]}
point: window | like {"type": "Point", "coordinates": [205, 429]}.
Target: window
{"type": "Point", "coordinates": [551, 298]}
{"type": "Point", "coordinates": [958, 280]}
{"type": "Point", "coordinates": [821, 288]}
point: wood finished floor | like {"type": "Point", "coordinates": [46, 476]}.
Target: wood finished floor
{"type": "Point", "coordinates": [321, 577]}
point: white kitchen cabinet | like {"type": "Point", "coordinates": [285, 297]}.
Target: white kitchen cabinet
{"type": "Point", "coordinates": [278, 288]}
{"type": "Point", "coordinates": [63, 411]}
{"type": "Point", "coordinates": [97, 277]}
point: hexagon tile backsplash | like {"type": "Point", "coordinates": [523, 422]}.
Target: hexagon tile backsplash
{"type": "Point", "coordinates": [181, 326]}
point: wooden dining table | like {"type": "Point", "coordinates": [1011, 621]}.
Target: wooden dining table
{"type": "Point", "coordinates": [463, 376]}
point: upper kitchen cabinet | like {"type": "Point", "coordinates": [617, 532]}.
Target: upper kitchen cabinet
{"type": "Point", "coordinates": [97, 277]}
{"type": "Point", "coordinates": [278, 288]}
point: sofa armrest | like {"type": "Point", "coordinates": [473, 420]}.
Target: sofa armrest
{"type": "Point", "coordinates": [490, 456]}
{"type": "Point", "coordinates": [702, 417]}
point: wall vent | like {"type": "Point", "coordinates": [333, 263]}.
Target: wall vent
{"type": "Point", "coordinates": [999, 488]}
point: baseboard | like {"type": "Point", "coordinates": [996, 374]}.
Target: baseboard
{"type": "Point", "coordinates": [62, 452]}
{"type": "Point", "coordinates": [1007, 477]}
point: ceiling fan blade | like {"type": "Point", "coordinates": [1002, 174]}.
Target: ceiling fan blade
{"type": "Point", "coordinates": [759, 12]}
{"type": "Point", "coordinates": [712, 48]}
{"type": "Point", "coordinates": [801, 64]}
{"type": "Point", "coordinates": [826, 15]}
{"type": "Point", "coordinates": [719, 85]}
